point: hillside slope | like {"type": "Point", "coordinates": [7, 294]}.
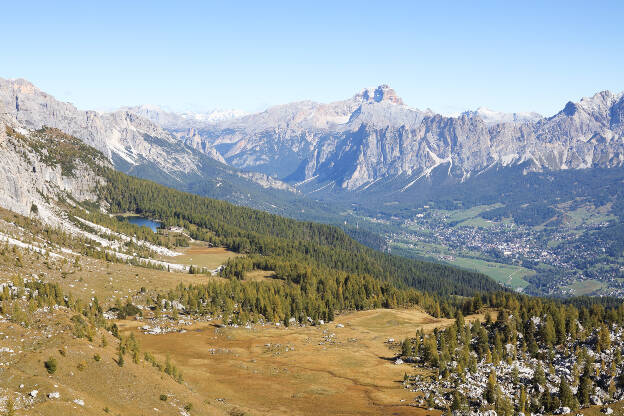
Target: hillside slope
{"type": "Point", "coordinates": [138, 147]}
{"type": "Point", "coordinates": [90, 326]}
{"type": "Point", "coordinates": [284, 241]}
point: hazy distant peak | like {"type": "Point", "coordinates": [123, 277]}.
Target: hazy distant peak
{"type": "Point", "coordinates": [494, 117]}
{"type": "Point", "coordinates": [382, 93]}
{"type": "Point", "coordinates": [167, 118]}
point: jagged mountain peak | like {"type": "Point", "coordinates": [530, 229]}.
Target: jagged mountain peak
{"type": "Point", "coordinates": [597, 103]}
{"type": "Point", "coordinates": [24, 86]}
{"type": "Point", "coordinates": [382, 93]}
{"type": "Point", "coordinates": [600, 101]}
{"type": "Point", "coordinates": [356, 142]}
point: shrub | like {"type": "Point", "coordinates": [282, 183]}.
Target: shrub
{"type": "Point", "coordinates": [81, 365]}
{"type": "Point", "coordinates": [163, 397]}
{"type": "Point", "coordinates": [97, 357]}
{"type": "Point", "coordinates": [50, 365]}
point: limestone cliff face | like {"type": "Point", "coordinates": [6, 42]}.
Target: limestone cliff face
{"type": "Point", "coordinates": [375, 136]}
{"type": "Point", "coordinates": [29, 180]}
{"type": "Point", "coordinates": [131, 142]}
{"type": "Point", "coordinates": [124, 137]}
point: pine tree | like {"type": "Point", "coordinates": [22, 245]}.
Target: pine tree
{"type": "Point", "coordinates": [431, 351]}
{"type": "Point", "coordinates": [539, 378]}
{"type": "Point", "coordinates": [491, 388]}
{"type": "Point", "coordinates": [604, 339]}
{"type": "Point", "coordinates": [586, 387]}
{"type": "Point", "coordinates": [515, 375]}
{"type": "Point", "coordinates": [522, 400]}
{"type": "Point", "coordinates": [504, 406]}
{"type": "Point", "coordinates": [120, 358]}
{"type": "Point", "coordinates": [547, 332]}
{"type": "Point", "coordinates": [565, 394]}
{"type": "Point", "coordinates": [456, 404]}
{"type": "Point", "coordinates": [546, 401]}
{"type": "Point", "coordinates": [406, 348]}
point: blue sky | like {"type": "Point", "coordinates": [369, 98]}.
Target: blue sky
{"type": "Point", "coordinates": [448, 56]}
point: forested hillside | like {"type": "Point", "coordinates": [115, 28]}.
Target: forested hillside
{"type": "Point", "coordinates": [325, 270]}
{"type": "Point", "coordinates": [250, 231]}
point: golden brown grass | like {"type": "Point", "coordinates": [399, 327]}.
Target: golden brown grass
{"type": "Point", "coordinates": [93, 277]}
{"type": "Point", "coordinates": [260, 275]}
{"type": "Point", "coordinates": [133, 389]}
{"type": "Point", "coordinates": [202, 256]}
{"type": "Point", "coordinates": [304, 370]}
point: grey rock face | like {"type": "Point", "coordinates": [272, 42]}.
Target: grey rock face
{"type": "Point", "coordinates": [26, 181]}
{"type": "Point", "coordinates": [373, 136]}
{"type": "Point", "coordinates": [131, 142]}
{"type": "Point", "coordinates": [120, 135]}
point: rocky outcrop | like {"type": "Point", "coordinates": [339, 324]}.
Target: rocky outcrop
{"type": "Point", "coordinates": [30, 184]}
{"type": "Point", "coordinates": [125, 138]}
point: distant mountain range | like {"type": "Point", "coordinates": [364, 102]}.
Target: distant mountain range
{"type": "Point", "coordinates": [374, 136]}
{"type": "Point", "coordinates": [359, 144]}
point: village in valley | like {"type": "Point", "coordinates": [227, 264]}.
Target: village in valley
{"type": "Point", "coordinates": [556, 260]}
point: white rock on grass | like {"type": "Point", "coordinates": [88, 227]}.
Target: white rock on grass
{"type": "Point", "coordinates": [79, 402]}
{"type": "Point", "coordinates": [54, 395]}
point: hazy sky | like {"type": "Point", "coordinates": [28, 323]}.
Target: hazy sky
{"type": "Point", "coordinates": [248, 55]}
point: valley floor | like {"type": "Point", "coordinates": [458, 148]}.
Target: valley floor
{"type": "Point", "coordinates": [344, 367]}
